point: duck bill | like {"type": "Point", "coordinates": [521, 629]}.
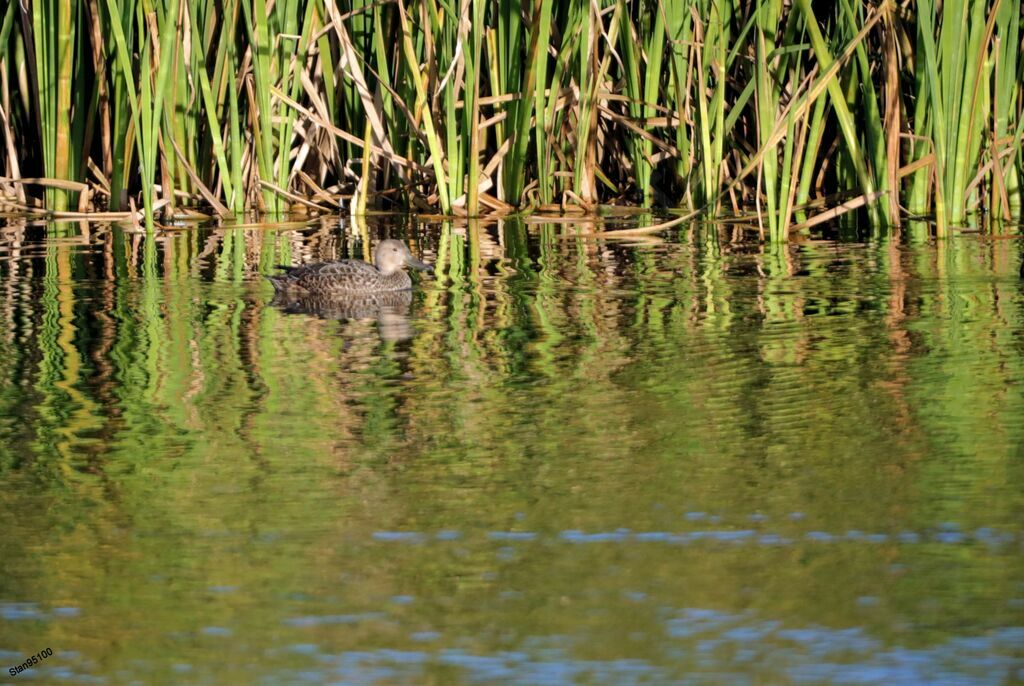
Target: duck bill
{"type": "Point", "coordinates": [416, 264]}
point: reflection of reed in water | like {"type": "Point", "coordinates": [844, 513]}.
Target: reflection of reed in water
{"type": "Point", "coordinates": [390, 309]}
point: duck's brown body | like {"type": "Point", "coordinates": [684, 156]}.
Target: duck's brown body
{"type": "Point", "coordinates": [340, 278]}
{"type": "Point", "coordinates": [345, 278]}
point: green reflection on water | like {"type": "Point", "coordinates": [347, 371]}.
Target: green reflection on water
{"type": "Point", "coordinates": [821, 437]}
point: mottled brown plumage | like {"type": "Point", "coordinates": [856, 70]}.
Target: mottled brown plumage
{"type": "Point", "coordinates": [347, 277]}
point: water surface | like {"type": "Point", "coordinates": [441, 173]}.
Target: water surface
{"type": "Point", "coordinates": [566, 461]}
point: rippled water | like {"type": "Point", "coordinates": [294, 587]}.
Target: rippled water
{"type": "Point", "coordinates": [566, 461]}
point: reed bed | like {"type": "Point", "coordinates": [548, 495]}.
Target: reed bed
{"type": "Point", "coordinates": [782, 110]}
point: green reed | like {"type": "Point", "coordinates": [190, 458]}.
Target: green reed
{"type": "Point", "coordinates": [968, 114]}
{"type": "Point", "coordinates": [50, 55]}
{"type": "Point", "coordinates": [789, 111]}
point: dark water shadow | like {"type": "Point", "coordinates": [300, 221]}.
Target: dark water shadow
{"type": "Point", "coordinates": [390, 310]}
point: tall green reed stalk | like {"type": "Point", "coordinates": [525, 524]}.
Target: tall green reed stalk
{"type": "Point", "coordinates": [52, 46]}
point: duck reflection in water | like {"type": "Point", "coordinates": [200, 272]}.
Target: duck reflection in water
{"type": "Point", "coordinates": [390, 309]}
{"type": "Point", "coordinates": [353, 289]}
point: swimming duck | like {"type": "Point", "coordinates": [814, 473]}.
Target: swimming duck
{"type": "Point", "coordinates": [348, 277]}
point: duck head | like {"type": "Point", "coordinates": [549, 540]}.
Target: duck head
{"type": "Point", "coordinates": [392, 255]}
